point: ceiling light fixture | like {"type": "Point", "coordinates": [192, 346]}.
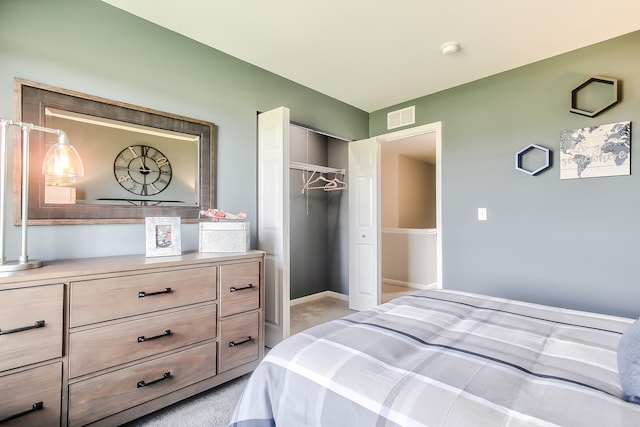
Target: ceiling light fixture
{"type": "Point", "coordinates": [450, 48]}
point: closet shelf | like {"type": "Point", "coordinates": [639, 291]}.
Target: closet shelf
{"type": "Point", "coordinates": [315, 168]}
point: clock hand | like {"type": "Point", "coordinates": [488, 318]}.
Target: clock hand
{"type": "Point", "coordinates": [142, 165]}
{"type": "Point", "coordinates": [134, 170]}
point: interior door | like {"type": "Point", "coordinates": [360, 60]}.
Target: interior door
{"type": "Point", "coordinates": [273, 219]}
{"type": "Point", "coordinates": [364, 225]}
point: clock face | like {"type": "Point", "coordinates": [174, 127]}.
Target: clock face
{"type": "Point", "coordinates": [142, 170]}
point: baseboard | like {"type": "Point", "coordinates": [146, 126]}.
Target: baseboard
{"type": "Point", "coordinates": [433, 285]}
{"type": "Point", "coordinates": [319, 295]}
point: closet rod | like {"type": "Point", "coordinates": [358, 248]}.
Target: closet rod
{"type": "Point", "coordinates": [315, 168]}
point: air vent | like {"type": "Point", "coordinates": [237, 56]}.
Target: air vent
{"type": "Point", "coordinates": [399, 118]}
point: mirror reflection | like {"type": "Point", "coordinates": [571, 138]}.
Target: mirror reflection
{"type": "Point", "coordinates": [129, 164]}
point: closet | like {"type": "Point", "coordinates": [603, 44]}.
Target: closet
{"type": "Point", "coordinates": [303, 216]}
{"type": "Point", "coordinates": [318, 213]}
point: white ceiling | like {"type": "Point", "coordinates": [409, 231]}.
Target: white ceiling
{"type": "Point", "coordinates": [373, 54]}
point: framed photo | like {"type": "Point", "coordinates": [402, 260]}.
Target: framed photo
{"type": "Point", "coordinates": [162, 236]}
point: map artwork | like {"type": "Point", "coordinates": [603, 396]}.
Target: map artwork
{"type": "Point", "coordinates": [596, 151]}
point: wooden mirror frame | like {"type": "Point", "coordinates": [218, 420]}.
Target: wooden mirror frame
{"type": "Point", "coordinates": [32, 99]}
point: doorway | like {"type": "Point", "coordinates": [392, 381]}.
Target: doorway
{"type": "Point", "coordinates": [365, 207]}
{"type": "Point", "coordinates": [408, 215]}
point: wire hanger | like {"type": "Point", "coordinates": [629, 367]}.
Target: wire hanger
{"type": "Point", "coordinates": [323, 183]}
{"type": "Point", "coordinates": [335, 184]}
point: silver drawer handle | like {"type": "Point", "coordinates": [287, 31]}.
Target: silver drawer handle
{"type": "Point", "coordinates": [234, 289]}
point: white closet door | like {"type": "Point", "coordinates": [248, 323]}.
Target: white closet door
{"type": "Point", "coordinates": [364, 225]}
{"type": "Point", "coordinates": [273, 219]}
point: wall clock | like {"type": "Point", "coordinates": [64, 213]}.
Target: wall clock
{"type": "Point", "coordinates": [142, 170]}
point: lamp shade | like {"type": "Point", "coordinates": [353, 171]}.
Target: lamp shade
{"type": "Point", "coordinates": [62, 164]}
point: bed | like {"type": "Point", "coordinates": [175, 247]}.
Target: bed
{"type": "Point", "coordinates": [445, 358]}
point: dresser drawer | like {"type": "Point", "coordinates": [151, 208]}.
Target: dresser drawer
{"type": "Point", "coordinates": [30, 325]}
{"type": "Point", "coordinates": [239, 288]}
{"type": "Point", "coordinates": [99, 397]}
{"type": "Point", "coordinates": [113, 298]}
{"type": "Point", "coordinates": [32, 398]}
{"type": "Point", "coordinates": [99, 348]}
{"type": "Point", "coordinates": [239, 340]}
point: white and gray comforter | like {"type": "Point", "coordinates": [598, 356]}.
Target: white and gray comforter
{"type": "Point", "coordinates": [443, 358]}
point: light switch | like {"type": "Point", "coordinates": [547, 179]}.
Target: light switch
{"type": "Point", "coordinates": [482, 214]}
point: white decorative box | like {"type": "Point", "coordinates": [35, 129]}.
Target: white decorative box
{"type": "Point", "coordinates": [224, 236]}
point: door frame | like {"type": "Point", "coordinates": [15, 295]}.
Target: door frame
{"type": "Point", "coordinates": [436, 128]}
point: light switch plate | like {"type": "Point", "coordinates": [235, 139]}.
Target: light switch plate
{"type": "Point", "coordinates": [482, 214]}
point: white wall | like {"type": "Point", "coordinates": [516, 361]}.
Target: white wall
{"type": "Point", "coordinates": [409, 257]}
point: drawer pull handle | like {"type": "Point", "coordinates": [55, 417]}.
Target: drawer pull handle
{"type": "Point", "coordinates": [144, 384]}
{"type": "Point", "coordinates": [35, 407]}
{"type": "Point", "coordinates": [38, 324]}
{"type": "Point", "coordinates": [233, 344]}
{"type": "Point", "coordinates": [233, 288]}
{"type": "Point", "coordinates": [143, 294]}
{"type": "Point", "coordinates": [166, 333]}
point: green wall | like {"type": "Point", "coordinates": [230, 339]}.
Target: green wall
{"type": "Point", "coordinates": [572, 243]}
{"type": "Point", "coordinates": [92, 47]}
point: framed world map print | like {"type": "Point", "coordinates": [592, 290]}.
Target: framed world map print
{"type": "Point", "coordinates": [596, 151]}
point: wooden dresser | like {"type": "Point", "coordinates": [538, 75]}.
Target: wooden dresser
{"type": "Point", "coordinates": [104, 341]}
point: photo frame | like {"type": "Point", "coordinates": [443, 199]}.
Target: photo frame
{"type": "Point", "coordinates": [162, 236]}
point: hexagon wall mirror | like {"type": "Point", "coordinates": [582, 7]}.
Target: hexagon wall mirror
{"type": "Point", "coordinates": [601, 92]}
{"type": "Point", "coordinates": [529, 151]}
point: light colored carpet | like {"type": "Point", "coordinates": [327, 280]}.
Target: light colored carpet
{"type": "Point", "coordinates": [312, 313]}
{"type": "Point", "coordinates": [213, 408]}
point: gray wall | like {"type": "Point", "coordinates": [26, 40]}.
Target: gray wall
{"type": "Point", "coordinates": [318, 219]}
{"type": "Point", "coordinates": [92, 47]}
{"type": "Point", "coordinates": [572, 243]}
{"type": "Point", "coordinates": [308, 217]}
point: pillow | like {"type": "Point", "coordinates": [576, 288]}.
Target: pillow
{"type": "Point", "coordinates": [629, 362]}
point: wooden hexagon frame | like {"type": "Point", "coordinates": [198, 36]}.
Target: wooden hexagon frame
{"type": "Point", "coordinates": [595, 79]}
{"type": "Point", "coordinates": [520, 154]}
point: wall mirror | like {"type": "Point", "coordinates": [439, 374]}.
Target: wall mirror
{"type": "Point", "coordinates": [138, 162]}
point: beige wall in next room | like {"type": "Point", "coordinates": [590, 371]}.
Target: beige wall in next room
{"type": "Point", "coordinates": [408, 192]}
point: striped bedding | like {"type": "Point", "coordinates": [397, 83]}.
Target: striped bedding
{"type": "Point", "coordinates": [444, 358]}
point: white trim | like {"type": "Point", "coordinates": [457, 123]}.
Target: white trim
{"type": "Point", "coordinates": [317, 296]}
{"type": "Point", "coordinates": [433, 285]}
{"type": "Point", "coordinates": [410, 230]}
